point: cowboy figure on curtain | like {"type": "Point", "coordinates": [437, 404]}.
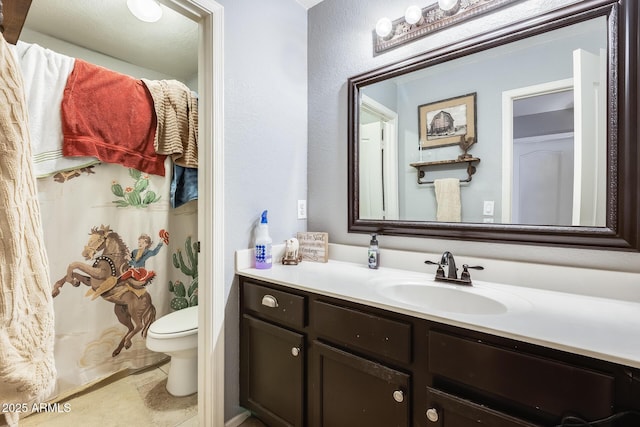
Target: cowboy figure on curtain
{"type": "Point", "coordinates": [140, 276]}
{"type": "Point", "coordinates": [141, 255]}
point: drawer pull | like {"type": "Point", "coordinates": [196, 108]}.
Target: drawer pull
{"type": "Point", "coordinates": [269, 301]}
{"type": "Point", "coordinates": [295, 351]}
{"type": "Point", "coordinates": [432, 415]}
{"type": "Point", "coordinates": [398, 396]}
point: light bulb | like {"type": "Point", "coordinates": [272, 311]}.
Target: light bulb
{"type": "Point", "coordinates": [145, 10]}
{"type": "Point", "coordinates": [447, 5]}
{"type": "Point", "coordinates": [384, 27]}
{"type": "Point", "coordinates": [413, 15]}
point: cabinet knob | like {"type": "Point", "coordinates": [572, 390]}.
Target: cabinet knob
{"type": "Point", "coordinates": [295, 351]}
{"type": "Point", "coordinates": [269, 301]}
{"type": "Point", "coordinates": [398, 396]}
{"type": "Point", "coordinates": [432, 415]}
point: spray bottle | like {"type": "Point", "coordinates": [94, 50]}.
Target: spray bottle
{"type": "Point", "coordinates": [263, 244]}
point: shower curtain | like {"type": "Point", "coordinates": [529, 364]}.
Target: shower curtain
{"type": "Point", "coordinates": [129, 211]}
{"type": "Point", "coordinates": [121, 255]}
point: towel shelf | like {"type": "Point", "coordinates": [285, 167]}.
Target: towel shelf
{"type": "Point", "coordinates": [421, 166]}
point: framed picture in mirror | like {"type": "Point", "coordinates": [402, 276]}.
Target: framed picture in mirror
{"type": "Point", "coordinates": [442, 123]}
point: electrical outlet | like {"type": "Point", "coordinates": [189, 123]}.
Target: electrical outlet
{"type": "Point", "coordinates": [302, 209]}
{"type": "Point", "coordinates": [488, 208]}
{"type": "Point", "coordinates": [487, 220]}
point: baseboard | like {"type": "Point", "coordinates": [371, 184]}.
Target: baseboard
{"type": "Point", "coordinates": [238, 419]}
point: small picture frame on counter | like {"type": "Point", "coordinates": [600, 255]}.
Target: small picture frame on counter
{"type": "Point", "coordinates": [313, 246]}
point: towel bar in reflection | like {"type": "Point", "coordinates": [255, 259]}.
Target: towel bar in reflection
{"type": "Point", "coordinates": [422, 166]}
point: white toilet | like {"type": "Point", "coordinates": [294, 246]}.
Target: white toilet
{"type": "Point", "coordinates": [176, 334]}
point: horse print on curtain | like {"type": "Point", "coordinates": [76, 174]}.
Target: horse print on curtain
{"type": "Point", "coordinates": [119, 277]}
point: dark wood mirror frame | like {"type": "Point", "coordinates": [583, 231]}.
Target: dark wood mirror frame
{"type": "Point", "coordinates": [622, 230]}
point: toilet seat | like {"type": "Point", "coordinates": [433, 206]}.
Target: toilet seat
{"type": "Point", "coordinates": [174, 325]}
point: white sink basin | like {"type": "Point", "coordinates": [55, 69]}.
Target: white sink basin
{"type": "Point", "coordinates": [440, 296]}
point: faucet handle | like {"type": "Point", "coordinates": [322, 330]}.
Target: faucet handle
{"type": "Point", "coordinates": [465, 275]}
{"type": "Point", "coordinates": [439, 271]}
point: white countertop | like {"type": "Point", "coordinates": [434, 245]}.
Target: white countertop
{"type": "Point", "coordinates": [603, 328]}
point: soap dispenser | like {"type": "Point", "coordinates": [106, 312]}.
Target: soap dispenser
{"type": "Point", "coordinates": [374, 252]}
{"type": "Point", "coordinates": [263, 244]}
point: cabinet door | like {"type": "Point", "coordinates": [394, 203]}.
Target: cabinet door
{"type": "Point", "coordinates": [446, 410]}
{"type": "Point", "coordinates": [272, 373]}
{"type": "Point", "coordinates": [351, 391]}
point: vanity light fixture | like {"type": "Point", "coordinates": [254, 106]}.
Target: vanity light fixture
{"type": "Point", "coordinates": [384, 27]}
{"type": "Point", "coordinates": [145, 10]}
{"type": "Point", "coordinates": [417, 22]}
{"type": "Point", "coordinates": [449, 6]}
{"type": "Point", "coordinates": [413, 15]}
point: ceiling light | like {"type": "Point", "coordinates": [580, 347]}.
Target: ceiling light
{"type": "Point", "coordinates": [384, 27]}
{"type": "Point", "coordinates": [413, 15]}
{"type": "Point", "coordinates": [145, 10]}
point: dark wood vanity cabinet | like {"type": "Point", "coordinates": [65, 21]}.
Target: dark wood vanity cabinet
{"type": "Point", "coordinates": [273, 353]}
{"type": "Point", "coordinates": [354, 383]}
{"type": "Point", "coordinates": [311, 360]}
{"type": "Point", "coordinates": [356, 391]}
{"type": "Point", "coordinates": [274, 384]}
{"type": "Point", "coordinates": [535, 387]}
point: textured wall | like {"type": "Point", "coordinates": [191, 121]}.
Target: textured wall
{"type": "Point", "coordinates": [265, 138]}
{"type": "Point", "coordinates": [340, 46]}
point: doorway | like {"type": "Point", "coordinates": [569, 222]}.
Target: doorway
{"type": "Point", "coordinates": [378, 164]}
{"type": "Point", "coordinates": [537, 152]}
{"type": "Point", "coordinates": [574, 109]}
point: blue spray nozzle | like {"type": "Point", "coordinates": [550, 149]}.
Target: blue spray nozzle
{"type": "Point", "coordinates": [264, 218]}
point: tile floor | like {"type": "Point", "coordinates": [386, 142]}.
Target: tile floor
{"type": "Point", "coordinates": [140, 400]}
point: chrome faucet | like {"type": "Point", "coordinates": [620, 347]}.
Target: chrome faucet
{"type": "Point", "coordinates": [447, 260]}
{"type": "Point", "coordinates": [452, 271]}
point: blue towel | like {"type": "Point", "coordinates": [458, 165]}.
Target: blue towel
{"type": "Point", "coordinates": [184, 185]}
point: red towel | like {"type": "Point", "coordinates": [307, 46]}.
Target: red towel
{"type": "Point", "coordinates": [110, 116]}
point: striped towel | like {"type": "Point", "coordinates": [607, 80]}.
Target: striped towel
{"type": "Point", "coordinates": [177, 127]}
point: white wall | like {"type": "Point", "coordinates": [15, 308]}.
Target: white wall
{"type": "Point", "coordinates": [340, 46]}
{"type": "Point", "coordinates": [265, 139]}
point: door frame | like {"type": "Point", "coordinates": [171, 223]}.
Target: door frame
{"type": "Point", "coordinates": [390, 159]}
{"type": "Point", "coordinates": [211, 296]}
{"type": "Point", "coordinates": [508, 98]}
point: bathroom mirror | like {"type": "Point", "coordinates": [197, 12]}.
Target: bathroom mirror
{"type": "Point", "coordinates": [554, 113]}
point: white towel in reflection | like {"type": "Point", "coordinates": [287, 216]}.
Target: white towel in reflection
{"type": "Point", "coordinates": [448, 199]}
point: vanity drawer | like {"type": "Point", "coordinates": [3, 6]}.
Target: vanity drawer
{"type": "Point", "coordinates": [446, 410]}
{"type": "Point", "coordinates": [542, 384]}
{"type": "Point", "coordinates": [280, 306]}
{"type": "Point", "coordinates": [363, 331]}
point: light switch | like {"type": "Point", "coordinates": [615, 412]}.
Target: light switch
{"type": "Point", "coordinates": [488, 208]}
{"type": "Point", "coordinates": [302, 209]}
